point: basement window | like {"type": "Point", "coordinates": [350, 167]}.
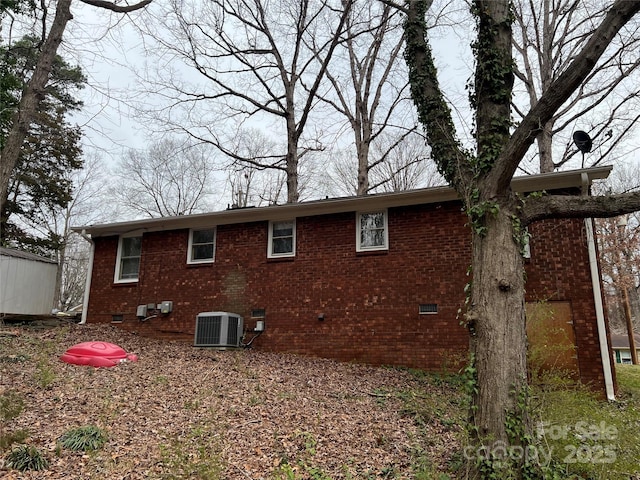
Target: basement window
{"type": "Point", "coordinates": [428, 308]}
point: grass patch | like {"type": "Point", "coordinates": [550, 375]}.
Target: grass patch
{"type": "Point", "coordinates": [44, 375]}
{"type": "Point", "coordinates": [628, 380]}
{"type": "Point", "coordinates": [11, 406]}
{"type": "Point", "coordinates": [588, 437]}
{"type": "Point", "coordinates": [576, 433]}
{"type": "Point", "coordinates": [195, 455]}
{"type": "Point", "coordinates": [439, 401]}
{"type": "Point", "coordinates": [83, 439]}
{"type": "Point", "coordinates": [26, 457]}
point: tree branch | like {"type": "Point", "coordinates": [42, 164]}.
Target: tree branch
{"type": "Point", "coordinates": [559, 91]}
{"type": "Point", "coordinates": [564, 206]}
{"type": "Point", "coordinates": [117, 8]}
{"type": "Point", "coordinates": [433, 111]}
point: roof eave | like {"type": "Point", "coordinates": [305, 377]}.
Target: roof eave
{"type": "Point", "coordinates": [529, 183]}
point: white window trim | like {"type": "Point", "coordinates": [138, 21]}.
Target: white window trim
{"type": "Point", "coordinates": [116, 274]}
{"type": "Point", "coordinates": [270, 242]}
{"type": "Point", "coordinates": [190, 261]}
{"type": "Point", "coordinates": [359, 247]}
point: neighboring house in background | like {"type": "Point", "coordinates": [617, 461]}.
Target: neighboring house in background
{"type": "Point", "coordinates": [377, 279]}
{"type": "Point", "coordinates": [620, 347]}
{"type": "Point", "coordinates": [27, 283]}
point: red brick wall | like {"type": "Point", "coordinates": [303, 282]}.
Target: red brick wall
{"type": "Point", "coordinates": [559, 271]}
{"type": "Point", "coordinates": [369, 300]}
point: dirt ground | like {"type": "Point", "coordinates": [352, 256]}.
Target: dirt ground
{"type": "Point", "coordinates": [182, 412]}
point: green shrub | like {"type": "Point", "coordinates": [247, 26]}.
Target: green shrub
{"type": "Point", "coordinates": [26, 457]}
{"type": "Point", "coordinates": [83, 439]}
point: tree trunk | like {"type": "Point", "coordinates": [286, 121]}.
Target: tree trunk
{"type": "Point", "coordinates": [363, 169]}
{"type": "Point", "coordinates": [292, 177]}
{"type": "Point", "coordinates": [32, 94]}
{"type": "Point", "coordinates": [544, 140]}
{"type": "Point", "coordinates": [497, 325]}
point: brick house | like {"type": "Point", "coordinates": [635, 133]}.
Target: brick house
{"type": "Point", "coordinates": [376, 279]}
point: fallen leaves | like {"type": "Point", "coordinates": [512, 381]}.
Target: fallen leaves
{"type": "Point", "coordinates": [181, 412]}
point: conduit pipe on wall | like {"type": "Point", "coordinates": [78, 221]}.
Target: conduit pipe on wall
{"type": "Point", "coordinates": [87, 283]}
{"type": "Point", "coordinates": [597, 297]}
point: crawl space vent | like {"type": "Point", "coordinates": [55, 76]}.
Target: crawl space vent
{"type": "Point", "coordinates": [218, 329]}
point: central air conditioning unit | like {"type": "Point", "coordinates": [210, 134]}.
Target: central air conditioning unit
{"type": "Point", "coordinates": [218, 329]}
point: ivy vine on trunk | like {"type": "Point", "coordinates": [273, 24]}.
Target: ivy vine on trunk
{"type": "Point", "coordinates": [495, 313]}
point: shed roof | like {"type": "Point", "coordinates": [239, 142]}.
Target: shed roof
{"type": "Point", "coordinates": [619, 341]}
{"type": "Point", "coordinates": [12, 252]}
{"type": "Point", "coordinates": [523, 184]}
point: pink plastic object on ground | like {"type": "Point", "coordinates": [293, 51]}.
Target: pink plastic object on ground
{"type": "Point", "coordinates": [97, 354]}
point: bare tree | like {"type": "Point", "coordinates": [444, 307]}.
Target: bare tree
{"type": "Point", "coordinates": [549, 35]}
{"type": "Point", "coordinates": [90, 204]}
{"type": "Point", "coordinates": [54, 222]}
{"type": "Point", "coordinates": [407, 164]}
{"type": "Point", "coordinates": [170, 178]}
{"type": "Point", "coordinates": [497, 216]}
{"type": "Point", "coordinates": [34, 91]}
{"type": "Point", "coordinates": [619, 251]}
{"type": "Point", "coordinates": [369, 86]}
{"type": "Point", "coordinates": [619, 248]}
{"type": "Point", "coordinates": [251, 65]}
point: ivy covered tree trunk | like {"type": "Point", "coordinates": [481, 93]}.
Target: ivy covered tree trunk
{"type": "Point", "coordinates": [498, 334]}
{"type": "Point", "coordinates": [482, 177]}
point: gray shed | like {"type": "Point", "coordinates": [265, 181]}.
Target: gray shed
{"type": "Point", "coordinates": [27, 283]}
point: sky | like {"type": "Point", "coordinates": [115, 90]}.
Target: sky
{"type": "Point", "coordinates": [108, 48]}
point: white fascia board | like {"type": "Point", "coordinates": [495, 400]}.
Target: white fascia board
{"type": "Point", "coordinates": [523, 184]}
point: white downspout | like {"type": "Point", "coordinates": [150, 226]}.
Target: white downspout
{"type": "Point", "coordinates": [87, 283]}
{"type": "Point", "coordinates": [597, 297]}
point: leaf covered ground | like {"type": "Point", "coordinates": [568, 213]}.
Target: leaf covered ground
{"type": "Point", "coordinates": [182, 412]}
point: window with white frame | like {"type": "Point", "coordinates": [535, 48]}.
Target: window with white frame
{"type": "Point", "coordinates": [372, 232]}
{"type": "Point", "coordinates": [128, 259]}
{"type": "Point", "coordinates": [202, 245]}
{"type": "Point", "coordinates": [282, 239]}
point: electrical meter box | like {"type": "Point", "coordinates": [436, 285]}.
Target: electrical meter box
{"type": "Point", "coordinates": [166, 307]}
{"type": "Point", "coordinates": [141, 311]}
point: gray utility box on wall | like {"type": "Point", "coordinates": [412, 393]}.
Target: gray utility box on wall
{"type": "Point", "coordinates": [218, 329]}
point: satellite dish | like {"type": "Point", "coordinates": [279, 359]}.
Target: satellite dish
{"type": "Point", "coordinates": [582, 141]}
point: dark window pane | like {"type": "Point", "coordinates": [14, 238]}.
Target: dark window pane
{"type": "Point", "coordinates": [131, 246]}
{"type": "Point", "coordinates": [282, 229]}
{"type": "Point", "coordinates": [129, 268]}
{"type": "Point", "coordinates": [203, 236]}
{"type": "Point", "coordinates": [202, 252]}
{"type": "Point", "coordinates": [283, 245]}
